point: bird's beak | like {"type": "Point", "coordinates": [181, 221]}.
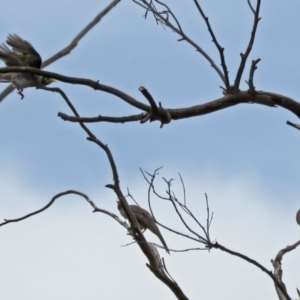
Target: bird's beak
{"type": "Point", "coordinates": [51, 80]}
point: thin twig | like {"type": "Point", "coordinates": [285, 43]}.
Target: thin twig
{"type": "Point", "coordinates": [251, 75]}
{"type": "Point", "coordinates": [245, 55]}
{"type": "Point", "coordinates": [251, 7]}
{"type": "Point", "coordinates": [183, 36]}
{"type": "Point", "coordinates": [297, 126]}
{"type": "Point", "coordinates": [220, 49]}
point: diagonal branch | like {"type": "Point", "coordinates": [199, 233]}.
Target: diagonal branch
{"type": "Point", "coordinates": [220, 49]}
{"type": "Point", "coordinates": [297, 126]}
{"type": "Point", "coordinates": [81, 81]}
{"type": "Point", "coordinates": [245, 55]}
{"type": "Point", "coordinates": [216, 245]}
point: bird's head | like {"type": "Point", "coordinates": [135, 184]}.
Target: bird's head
{"type": "Point", "coordinates": [47, 80]}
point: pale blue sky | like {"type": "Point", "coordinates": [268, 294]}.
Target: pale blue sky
{"type": "Point", "coordinates": [244, 157]}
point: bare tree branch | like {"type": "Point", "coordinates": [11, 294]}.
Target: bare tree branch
{"type": "Point", "coordinates": [157, 113]}
{"type": "Point", "coordinates": [149, 250]}
{"type": "Point", "coordinates": [175, 202]}
{"type": "Point", "coordinates": [255, 263]}
{"type": "Point", "coordinates": [109, 119]}
{"type": "Point", "coordinates": [245, 55]}
{"type": "Point", "coordinates": [220, 49]}
{"type": "Point", "coordinates": [206, 240]}
{"type": "Point", "coordinates": [297, 126]}
{"type": "Point", "coordinates": [251, 75]}
{"type": "Point", "coordinates": [165, 20]}
{"type": "Point", "coordinates": [228, 100]}
{"type": "Point", "coordinates": [7, 221]}
{"type": "Point", "coordinates": [81, 81]}
{"type": "Point", "coordinates": [280, 286]}
{"type": "Point", "coordinates": [251, 7]}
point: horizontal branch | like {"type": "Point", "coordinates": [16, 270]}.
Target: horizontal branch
{"type": "Point", "coordinates": [80, 81]}
{"type": "Point", "coordinates": [100, 118]}
{"type": "Point", "coordinates": [263, 98]}
{"type": "Point", "coordinates": [228, 100]}
{"type": "Point", "coordinates": [54, 198]}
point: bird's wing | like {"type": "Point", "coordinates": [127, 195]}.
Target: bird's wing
{"type": "Point", "coordinates": [10, 58]}
{"type": "Point", "coordinates": [25, 51]}
{"type": "Point", "coordinates": [146, 221]}
{"type": "Point", "coordinates": [140, 217]}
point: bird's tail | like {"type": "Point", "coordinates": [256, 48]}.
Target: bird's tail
{"type": "Point", "coordinates": [163, 242]}
{"type": "Point", "coordinates": [5, 77]}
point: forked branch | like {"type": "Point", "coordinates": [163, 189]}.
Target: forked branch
{"type": "Point", "coordinates": [168, 19]}
{"type": "Point", "coordinates": [244, 56]}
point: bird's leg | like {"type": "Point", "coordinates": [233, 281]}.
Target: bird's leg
{"type": "Point", "coordinates": [20, 93]}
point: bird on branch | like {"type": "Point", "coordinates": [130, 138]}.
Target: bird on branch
{"type": "Point", "coordinates": [145, 221]}
{"type": "Point", "coordinates": [22, 54]}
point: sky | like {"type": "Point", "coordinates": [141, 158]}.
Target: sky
{"type": "Point", "coordinates": [245, 157]}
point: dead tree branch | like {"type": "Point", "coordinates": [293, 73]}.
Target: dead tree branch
{"type": "Point", "coordinates": [228, 100]}
{"type": "Point", "coordinates": [244, 56]}
{"type": "Point", "coordinates": [155, 264]}
{"type": "Point", "coordinates": [297, 126]}
{"type": "Point", "coordinates": [163, 17]}
{"type": "Point", "coordinates": [54, 198]}
{"type": "Point", "coordinates": [216, 245]}
{"type": "Point", "coordinates": [277, 263]}
{"type": "Point", "coordinates": [250, 82]}
{"type": "Point", "coordinates": [178, 206]}
{"type": "Point", "coordinates": [220, 49]}
{"type": "Point", "coordinates": [206, 240]}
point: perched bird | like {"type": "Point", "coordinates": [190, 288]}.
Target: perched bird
{"type": "Point", "coordinates": [298, 217]}
{"type": "Point", "coordinates": [22, 55]}
{"type": "Point", "coordinates": [145, 221]}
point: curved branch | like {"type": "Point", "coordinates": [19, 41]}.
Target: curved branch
{"type": "Point", "coordinates": [228, 100]}
{"type": "Point", "coordinates": [81, 81]}
{"type": "Point", "coordinates": [278, 270]}
{"type": "Point", "coordinates": [7, 221]}
{"type": "Point", "coordinates": [216, 245]}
